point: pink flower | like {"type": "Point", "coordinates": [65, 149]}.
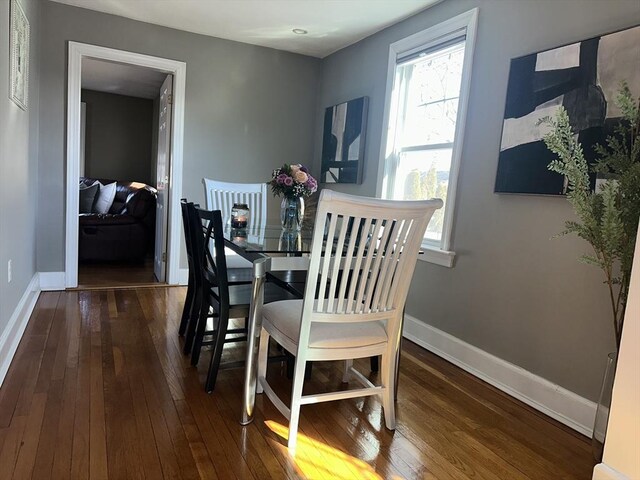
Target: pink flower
{"type": "Point", "coordinates": [300, 176]}
{"type": "Point", "coordinates": [293, 180]}
{"type": "Point", "coordinates": [312, 184]}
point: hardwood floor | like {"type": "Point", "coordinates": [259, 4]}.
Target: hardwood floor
{"type": "Point", "coordinates": [115, 275]}
{"type": "Point", "coordinates": [99, 389]}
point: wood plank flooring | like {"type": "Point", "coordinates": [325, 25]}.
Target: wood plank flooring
{"type": "Point", "coordinates": [109, 275]}
{"type": "Point", "coordinates": [99, 389]}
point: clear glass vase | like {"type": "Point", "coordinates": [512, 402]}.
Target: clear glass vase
{"type": "Point", "coordinates": [292, 213]}
{"type": "Point", "coordinates": [603, 406]}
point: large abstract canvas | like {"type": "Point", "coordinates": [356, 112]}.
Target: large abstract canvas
{"type": "Point", "coordinates": [582, 77]}
{"type": "Point", "coordinates": [343, 141]}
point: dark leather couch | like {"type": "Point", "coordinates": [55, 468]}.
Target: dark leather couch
{"type": "Point", "coordinates": [124, 234]}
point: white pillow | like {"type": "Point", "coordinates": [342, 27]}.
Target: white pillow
{"type": "Point", "coordinates": [104, 200]}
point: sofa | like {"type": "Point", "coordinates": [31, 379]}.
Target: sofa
{"type": "Point", "coordinates": [127, 232]}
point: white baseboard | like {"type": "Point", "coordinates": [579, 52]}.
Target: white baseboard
{"type": "Point", "coordinates": [12, 334]}
{"type": "Point", "coordinates": [551, 399]}
{"type": "Point", "coordinates": [50, 281]}
{"type": "Point", "coordinates": [605, 472]}
{"type": "Point", "coordinates": [183, 276]}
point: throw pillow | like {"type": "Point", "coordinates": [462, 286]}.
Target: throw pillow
{"type": "Point", "coordinates": [106, 194]}
{"type": "Point", "coordinates": [88, 196]}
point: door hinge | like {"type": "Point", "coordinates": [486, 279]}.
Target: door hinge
{"type": "Point", "coordinates": [164, 257]}
{"type": "Point", "coordinates": [170, 99]}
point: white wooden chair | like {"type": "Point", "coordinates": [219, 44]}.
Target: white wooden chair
{"type": "Point", "coordinates": [222, 195]}
{"type": "Point", "coordinates": [363, 256]}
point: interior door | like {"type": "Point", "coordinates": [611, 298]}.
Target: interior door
{"type": "Point", "coordinates": [162, 178]}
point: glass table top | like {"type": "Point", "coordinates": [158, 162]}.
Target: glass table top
{"type": "Point", "coordinates": [270, 239]}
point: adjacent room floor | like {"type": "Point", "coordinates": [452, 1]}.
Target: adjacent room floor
{"type": "Point", "coordinates": [99, 388]}
{"type": "Point", "coordinates": [106, 274]}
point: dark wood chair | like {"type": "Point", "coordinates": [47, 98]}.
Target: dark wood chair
{"type": "Point", "coordinates": [189, 301]}
{"type": "Point", "coordinates": [224, 300]}
{"type": "Point", "coordinates": [193, 299]}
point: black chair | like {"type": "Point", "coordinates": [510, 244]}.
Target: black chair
{"type": "Point", "coordinates": [191, 309]}
{"type": "Point", "coordinates": [225, 300]}
{"type": "Point", "coordinates": [187, 310]}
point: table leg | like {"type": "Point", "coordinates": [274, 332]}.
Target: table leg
{"type": "Point", "coordinates": [254, 326]}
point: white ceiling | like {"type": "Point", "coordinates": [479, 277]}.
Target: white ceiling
{"type": "Point", "coordinates": [121, 79]}
{"type": "Point", "coordinates": [331, 24]}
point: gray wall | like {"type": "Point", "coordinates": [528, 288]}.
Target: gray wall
{"type": "Point", "coordinates": [118, 137]}
{"type": "Point", "coordinates": [18, 169]}
{"type": "Point", "coordinates": [248, 108]}
{"type": "Point", "coordinates": [513, 292]}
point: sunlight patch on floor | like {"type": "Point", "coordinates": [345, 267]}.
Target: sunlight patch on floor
{"type": "Point", "coordinates": [317, 460]}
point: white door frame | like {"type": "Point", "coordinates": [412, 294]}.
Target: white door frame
{"type": "Point", "coordinates": [78, 51]}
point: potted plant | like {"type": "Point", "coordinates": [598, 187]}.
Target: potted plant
{"type": "Point", "coordinates": [607, 218]}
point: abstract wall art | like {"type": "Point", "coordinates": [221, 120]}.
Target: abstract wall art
{"type": "Point", "coordinates": [19, 69]}
{"type": "Point", "coordinates": [343, 141]}
{"type": "Point", "coordinates": [584, 78]}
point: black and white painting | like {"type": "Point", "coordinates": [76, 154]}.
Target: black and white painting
{"type": "Point", "coordinates": [19, 73]}
{"type": "Point", "coordinates": [343, 142]}
{"type": "Point", "coordinates": [582, 77]}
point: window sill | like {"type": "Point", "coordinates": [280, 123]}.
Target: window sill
{"type": "Point", "coordinates": [431, 254]}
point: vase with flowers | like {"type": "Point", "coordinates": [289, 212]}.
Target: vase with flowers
{"type": "Point", "coordinates": [292, 183]}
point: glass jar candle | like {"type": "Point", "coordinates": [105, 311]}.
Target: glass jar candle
{"type": "Point", "coordinates": [239, 215]}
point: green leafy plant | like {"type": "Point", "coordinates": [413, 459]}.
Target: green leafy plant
{"type": "Point", "coordinates": [608, 217]}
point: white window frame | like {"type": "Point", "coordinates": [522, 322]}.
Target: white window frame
{"type": "Point", "coordinates": [463, 24]}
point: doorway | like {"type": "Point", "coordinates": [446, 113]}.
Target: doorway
{"type": "Point", "coordinates": [117, 240]}
{"type": "Point", "coordinates": [167, 164]}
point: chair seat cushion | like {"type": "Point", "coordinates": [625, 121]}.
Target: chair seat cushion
{"type": "Point", "coordinates": [240, 298]}
{"type": "Point", "coordinates": [236, 261]}
{"type": "Point", "coordinates": [285, 317]}
{"type": "Point", "coordinates": [237, 276]}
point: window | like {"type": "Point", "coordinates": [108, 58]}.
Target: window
{"type": "Point", "coordinates": [426, 100]}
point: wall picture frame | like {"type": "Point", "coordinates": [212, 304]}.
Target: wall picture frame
{"type": "Point", "coordinates": [583, 77]}
{"type": "Point", "coordinates": [19, 44]}
{"type": "Point", "coordinates": [343, 141]}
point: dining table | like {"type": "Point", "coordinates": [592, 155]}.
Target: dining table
{"type": "Point", "coordinates": [277, 255]}
{"type": "Point", "coordinates": [272, 250]}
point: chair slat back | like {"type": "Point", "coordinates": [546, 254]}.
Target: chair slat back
{"type": "Point", "coordinates": [222, 195]}
{"type": "Point", "coordinates": [186, 229]}
{"type": "Point", "coordinates": [208, 249]}
{"type": "Point", "coordinates": [363, 256]}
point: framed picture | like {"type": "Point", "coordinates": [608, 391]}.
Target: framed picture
{"type": "Point", "coordinates": [343, 140]}
{"type": "Point", "coordinates": [584, 78]}
{"type": "Point", "coordinates": [19, 72]}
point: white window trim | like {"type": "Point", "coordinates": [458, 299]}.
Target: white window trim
{"type": "Point", "coordinates": [436, 255]}
{"type": "Point", "coordinates": [464, 23]}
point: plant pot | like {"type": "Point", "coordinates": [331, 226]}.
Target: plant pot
{"type": "Point", "coordinates": [603, 406]}
{"type": "Point", "coordinates": [292, 213]}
